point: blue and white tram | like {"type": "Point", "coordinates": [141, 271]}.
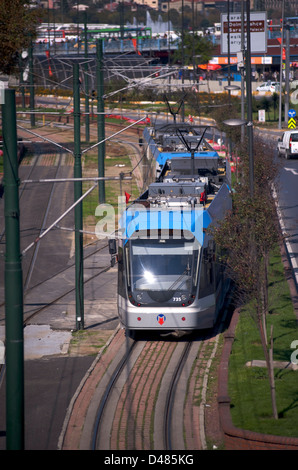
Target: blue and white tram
{"type": "Point", "coordinates": [169, 277]}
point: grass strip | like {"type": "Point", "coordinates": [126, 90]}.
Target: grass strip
{"type": "Point", "coordinates": [249, 390]}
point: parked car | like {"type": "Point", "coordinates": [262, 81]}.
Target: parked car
{"type": "Point", "coordinates": [273, 87]}
{"type": "Point", "coordinates": [287, 144]}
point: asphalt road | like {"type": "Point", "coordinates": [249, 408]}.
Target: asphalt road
{"type": "Point", "coordinates": [287, 189]}
{"type": "Point", "coordinates": [50, 384]}
{"type": "Point", "coordinates": [53, 250]}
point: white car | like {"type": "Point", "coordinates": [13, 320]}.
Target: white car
{"type": "Point", "coordinates": [269, 86]}
{"type": "Point", "coordinates": [287, 144]}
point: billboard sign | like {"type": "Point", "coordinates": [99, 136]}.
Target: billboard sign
{"type": "Point", "coordinates": [258, 32]}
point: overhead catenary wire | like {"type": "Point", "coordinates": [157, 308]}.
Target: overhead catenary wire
{"type": "Point", "coordinates": [58, 220]}
{"type": "Point", "coordinates": [87, 149]}
{"type": "Point", "coordinates": [45, 138]}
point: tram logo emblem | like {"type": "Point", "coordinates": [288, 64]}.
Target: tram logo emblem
{"type": "Point", "coordinates": [161, 319]}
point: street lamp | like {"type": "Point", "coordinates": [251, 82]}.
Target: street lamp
{"type": "Point", "coordinates": [235, 122]}
{"type": "Point", "coordinates": [231, 87]}
{"type": "Point", "coordinates": [249, 122]}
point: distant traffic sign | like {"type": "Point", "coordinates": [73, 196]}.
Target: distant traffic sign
{"type": "Point", "coordinates": [258, 31]}
{"type": "Point", "coordinates": [292, 123]}
{"type": "Point", "coordinates": [291, 113]}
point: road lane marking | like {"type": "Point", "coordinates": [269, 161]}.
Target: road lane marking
{"type": "Point", "coordinates": [291, 252]}
{"type": "Point", "coordinates": [292, 170]}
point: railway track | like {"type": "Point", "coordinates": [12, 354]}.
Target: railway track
{"type": "Point", "coordinates": [34, 223]}
{"type": "Point", "coordinates": [148, 394]}
{"type": "Point", "coordinates": [152, 409]}
{"type": "Point", "coordinates": [36, 203]}
{"type": "Point", "coordinates": [33, 275]}
{"type": "Point", "coordinates": [44, 220]}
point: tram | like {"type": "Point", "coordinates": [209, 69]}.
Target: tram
{"type": "Point", "coordinates": [169, 275]}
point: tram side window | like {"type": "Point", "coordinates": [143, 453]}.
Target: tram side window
{"type": "Point", "coordinates": [206, 286]}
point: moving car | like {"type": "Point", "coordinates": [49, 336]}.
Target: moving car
{"type": "Point", "coordinates": [273, 87]}
{"type": "Point", "coordinates": [287, 145]}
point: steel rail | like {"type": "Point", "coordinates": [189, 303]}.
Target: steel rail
{"type": "Point", "coordinates": [167, 432]}
{"type": "Point", "coordinates": [104, 401]}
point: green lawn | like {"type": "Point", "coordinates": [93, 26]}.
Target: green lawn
{"type": "Point", "coordinates": [116, 154]}
{"type": "Point", "coordinates": [249, 387]}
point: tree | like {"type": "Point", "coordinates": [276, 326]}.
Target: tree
{"type": "Point", "coordinates": [194, 46]}
{"type": "Point", "coordinates": [275, 98]}
{"type": "Point", "coordinates": [265, 104]}
{"type": "Point", "coordinates": [246, 236]}
{"type": "Point", "coordinates": [17, 26]}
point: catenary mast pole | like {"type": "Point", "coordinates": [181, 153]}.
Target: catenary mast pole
{"type": "Point", "coordinates": [100, 119]}
{"type": "Point", "coordinates": [87, 117]}
{"type": "Point", "coordinates": [79, 267]}
{"type": "Point", "coordinates": [249, 102]}
{"type": "Point", "coordinates": [13, 281]}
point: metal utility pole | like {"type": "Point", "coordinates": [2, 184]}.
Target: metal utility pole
{"type": "Point", "coordinates": [21, 79]}
{"type": "Point", "coordinates": [122, 20]}
{"type": "Point", "coordinates": [87, 117]}
{"type": "Point", "coordinates": [183, 60]}
{"type": "Point", "coordinates": [79, 265]}
{"type": "Point", "coordinates": [100, 119]}
{"type": "Point", "coordinates": [242, 71]}
{"type": "Point", "coordinates": [287, 74]}
{"type": "Point", "coordinates": [31, 85]}
{"type": "Point", "coordinates": [13, 281]}
{"type": "Point", "coordinates": [229, 53]}
{"type": "Point", "coordinates": [281, 63]}
{"type": "Point", "coordinates": [249, 102]}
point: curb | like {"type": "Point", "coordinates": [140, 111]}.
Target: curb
{"type": "Point", "coordinates": [79, 389]}
{"type": "Point", "coordinates": [241, 439]}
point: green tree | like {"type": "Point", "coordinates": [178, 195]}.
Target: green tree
{"type": "Point", "coordinates": [275, 99]}
{"type": "Point", "coordinates": [265, 104]}
{"type": "Point", "coordinates": [246, 236]}
{"type": "Point", "coordinates": [194, 46]}
{"type": "Point", "coordinates": [17, 26]}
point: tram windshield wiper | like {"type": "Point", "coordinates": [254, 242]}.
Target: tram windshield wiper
{"type": "Point", "coordinates": [185, 272]}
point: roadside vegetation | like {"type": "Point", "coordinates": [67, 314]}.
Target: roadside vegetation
{"type": "Point", "coordinates": [263, 398]}
{"type": "Point", "coordinates": [249, 388]}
